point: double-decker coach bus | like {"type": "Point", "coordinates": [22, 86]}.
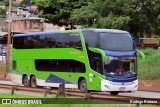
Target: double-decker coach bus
{"type": "Point", "coordinates": [85, 59]}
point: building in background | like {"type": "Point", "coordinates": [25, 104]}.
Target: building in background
{"type": "Point", "coordinates": [32, 24]}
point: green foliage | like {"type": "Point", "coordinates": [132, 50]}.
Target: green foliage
{"type": "Point", "coordinates": [17, 96]}
{"type": "Point", "coordinates": [60, 104]}
{"type": "Point", "coordinates": [152, 55]}
{"type": "Point", "coordinates": [133, 15]}
{"type": "Point", "coordinates": [25, 3]}
{"type": "Point", "coordinates": [15, 4]}
{"type": "Point", "coordinates": [2, 13]}
{"type": "Point", "coordinates": [150, 65]}
{"type": "Point", "coordinates": [136, 16]}
{"type": "Point", "coordinates": [83, 16]}
{"type": "Point", "coordinates": [5, 2]}
{"type": "Point", "coordinates": [58, 11]}
{"type": "Point", "coordinates": [152, 69]}
{"type": "Point", "coordinates": [107, 14]}
{"type": "Point", "coordinates": [113, 22]}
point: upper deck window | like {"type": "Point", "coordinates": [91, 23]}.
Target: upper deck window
{"type": "Point", "coordinates": [55, 40]}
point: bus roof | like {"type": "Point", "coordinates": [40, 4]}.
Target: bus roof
{"type": "Point", "coordinates": [88, 29]}
{"type": "Point", "coordinates": [34, 33]}
{"type": "Point", "coordinates": [105, 30]}
{"type": "Point", "coordinates": [48, 32]}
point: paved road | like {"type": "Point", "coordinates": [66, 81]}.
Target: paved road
{"type": "Point", "coordinates": [143, 94]}
{"type": "Point", "coordinates": [135, 94]}
{"type": "Point", "coordinates": [7, 82]}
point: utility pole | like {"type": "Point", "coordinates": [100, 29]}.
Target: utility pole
{"type": "Point", "coordinates": [8, 41]}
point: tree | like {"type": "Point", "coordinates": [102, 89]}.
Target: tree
{"type": "Point", "coordinates": [58, 11]}
{"type": "Point", "coordinates": [144, 17]}
{"type": "Point", "coordinates": [136, 16]}
{"type": "Point", "coordinates": [6, 2]}
{"type": "Point", "coordinates": [25, 3]}
{"type": "Point", "coordinates": [113, 22]}
{"type": "Point", "coordinates": [84, 16]}
{"type": "Point", "coordinates": [2, 13]}
{"type": "Point", "coordinates": [103, 14]}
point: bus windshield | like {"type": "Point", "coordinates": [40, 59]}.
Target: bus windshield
{"type": "Point", "coordinates": [120, 67]}
{"type": "Point", "coordinates": [115, 41]}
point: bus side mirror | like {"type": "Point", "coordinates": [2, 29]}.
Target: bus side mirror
{"type": "Point", "coordinates": [141, 54]}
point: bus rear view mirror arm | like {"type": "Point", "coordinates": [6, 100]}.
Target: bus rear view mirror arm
{"type": "Point", "coordinates": [141, 54]}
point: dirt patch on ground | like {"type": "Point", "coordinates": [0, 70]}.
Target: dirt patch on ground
{"type": "Point", "coordinates": [149, 85]}
{"type": "Point", "coordinates": [5, 76]}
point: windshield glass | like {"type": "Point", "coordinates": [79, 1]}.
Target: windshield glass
{"type": "Point", "coordinates": [91, 38]}
{"type": "Point", "coordinates": [116, 41]}
{"type": "Point", "coordinates": [120, 67]}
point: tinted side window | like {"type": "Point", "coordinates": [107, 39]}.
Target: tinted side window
{"type": "Point", "coordinates": [18, 42]}
{"type": "Point", "coordinates": [59, 65]}
{"type": "Point", "coordinates": [55, 40]}
{"type": "Point", "coordinates": [14, 65]}
{"type": "Point", "coordinates": [69, 40]}
{"type": "Point", "coordinates": [91, 38]}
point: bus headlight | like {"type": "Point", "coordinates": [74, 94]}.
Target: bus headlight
{"type": "Point", "coordinates": [107, 86]}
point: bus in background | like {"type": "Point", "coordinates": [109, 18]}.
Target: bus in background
{"type": "Point", "coordinates": [85, 59]}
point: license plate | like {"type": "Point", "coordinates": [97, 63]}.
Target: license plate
{"type": "Point", "coordinates": [122, 88]}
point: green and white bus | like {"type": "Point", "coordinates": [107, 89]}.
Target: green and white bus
{"type": "Point", "coordinates": [85, 59]}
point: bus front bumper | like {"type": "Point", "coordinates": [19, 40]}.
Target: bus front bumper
{"type": "Point", "coordinates": [118, 86]}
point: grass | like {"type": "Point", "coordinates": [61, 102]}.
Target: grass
{"type": "Point", "coordinates": [152, 55]}
{"type": "Point", "coordinates": [16, 96]}
{"type": "Point", "coordinates": [61, 104]}
{"type": "Point", "coordinates": [73, 105]}
{"type": "Point", "coordinates": [151, 65]}
{"type": "Point", "coordinates": [79, 105]}
{"type": "Point", "coordinates": [149, 71]}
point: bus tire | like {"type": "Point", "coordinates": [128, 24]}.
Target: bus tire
{"type": "Point", "coordinates": [25, 81]}
{"type": "Point", "coordinates": [33, 81]}
{"type": "Point", "coordinates": [83, 85]}
{"type": "Point", "coordinates": [114, 92]}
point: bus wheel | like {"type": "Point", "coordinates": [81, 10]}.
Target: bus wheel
{"type": "Point", "coordinates": [83, 86]}
{"type": "Point", "coordinates": [33, 81]}
{"type": "Point", "coordinates": [25, 81]}
{"type": "Point", "coordinates": [114, 92]}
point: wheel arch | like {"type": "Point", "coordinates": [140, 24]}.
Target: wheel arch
{"type": "Point", "coordinates": [23, 78]}
{"type": "Point", "coordinates": [80, 79]}
{"type": "Point", "coordinates": [32, 76]}
{"type": "Point", "coordinates": [31, 80]}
